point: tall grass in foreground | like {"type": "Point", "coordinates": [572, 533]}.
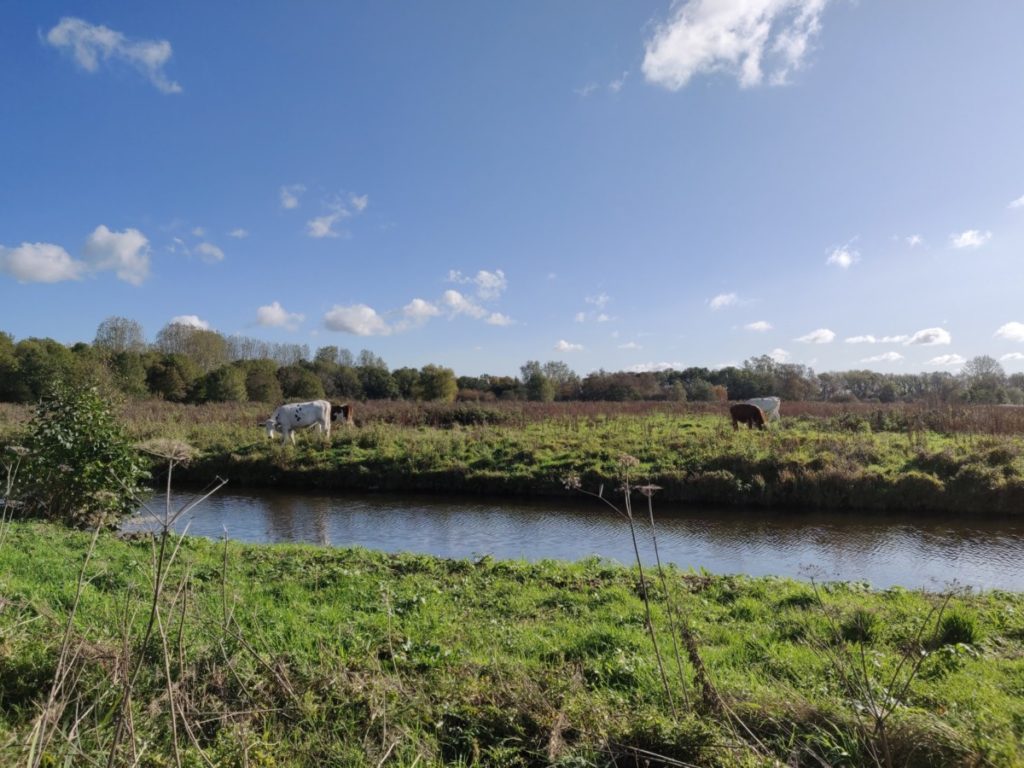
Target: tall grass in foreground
{"type": "Point", "coordinates": [875, 693]}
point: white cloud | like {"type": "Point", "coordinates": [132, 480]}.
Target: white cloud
{"type": "Point", "coordinates": [654, 367]}
{"type": "Point", "coordinates": [1011, 332]}
{"type": "Point", "coordinates": [929, 337]}
{"type": "Point", "coordinates": [843, 257]}
{"type": "Point", "coordinates": [779, 355]}
{"type": "Point", "coordinates": [210, 253]}
{"type": "Point", "coordinates": [820, 336]}
{"type": "Point", "coordinates": [127, 253]}
{"type": "Point", "coordinates": [91, 44]}
{"type": "Point", "coordinates": [239, 234]}
{"type": "Point", "coordinates": [40, 263]}
{"type": "Point", "coordinates": [914, 240]}
{"type": "Point", "coordinates": [630, 345]}
{"type": "Point", "coordinates": [357, 319]}
{"type": "Point", "coordinates": [192, 321]}
{"type": "Point", "coordinates": [951, 359]}
{"type": "Point", "coordinates": [1012, 356]}
{"type": "Point", "coordinates": [972, 238]}
{"type": "Point", "coordinates": [586, 90]}
{"type": "Point", "coordinates": [496, 318]}
{"type": "Point", "coordinates": [616, 85]}
{"type": "Point", "coordinates": [275, 316]}
{"type": "Point", "coordinates": [359, 202]}
{"type": "Point", "coordinates": [323, 226]}
{"type": "Point", "coordinates": [885, 357]}
{"type": "Point", "coordinates": [760, 326]}
{"type": "Point", "coordinates": [748, 39]}
{"type": "Point", "coordinates": [600, 301]}
{"type": "Point", "coordinates": [290, 194]}
{"type": "Point", "coordinates": [419, 311]}
{"type": "Point", "coordinates": [462, 305]}
{"type": "Point", "coordinates": [580, 317]}
{"type": "Point", "coordinates": [869, 339]}
{"type": "Point", "coordinates": [723, 300]}
{"type": "Point", "coordinates": [1018, 203]}
{"type": "Point", "coordinates": [489, 285]}
{"type": "Point", "coordinates": [566, 346]}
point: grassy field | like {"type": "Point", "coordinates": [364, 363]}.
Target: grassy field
{"type": "Point", "coordinates": [821, 455]}
{"type": "Point", "coordinates": [302, 656]}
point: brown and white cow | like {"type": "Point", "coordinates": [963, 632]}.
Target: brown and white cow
{"type": "Point", "coordinates": [745, 413]}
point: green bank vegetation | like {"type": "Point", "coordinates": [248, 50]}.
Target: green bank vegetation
{"type": "Point", "coordinates": [969, 459]}
{"type": "Point", "coordinates": [303, 656]}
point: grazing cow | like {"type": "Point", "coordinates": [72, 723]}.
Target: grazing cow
{"type": "Point", "coordinates": [745, 413]}
{"type": "Point", "coordinates": [342, 413]}
{"type": "Point", "coordinates": [293, 416]}
{"type": "Point", "coordinates": [770, 406]}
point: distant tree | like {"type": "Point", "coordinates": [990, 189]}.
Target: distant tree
{"type": "Point", "coordinates": [406, 382]}
{"type": "Point", "coordinates": [171, 376]}
{"type": "Point", "coordinates": [563, 378]}
{"type": "Point", "coordinates": [377, 383]}
{"type": "Point", "coordinates": [327, 356]}
{"type": "Point", "coordinates": [984, 380]}
{"type": "Point", "coordinates": [437, 383]}
{"type": "Point", "coordinates": [226, 385]}
{"type": "Point", "coordinates": [677, 392]}
{"type": "Point", "coordinates": [38, 365]}
{"type": "Point", "coordinates": [701, 390]}
{"type": "Point", "coordinates": [368, 359]}
{"type": "Point", "coordinates": [347, 383]}
{"type": "Point", "coordinates": [128, 370]}
{"type": "Point", "coordinates": [207, 349]}
{"type": "Point", "coordinates": [538, 386]}
{"type": "Point", "coordinates": [261, 384]}
{"type": "Point", "coordinates": [120, 334]}
{"type": "Point", "coordinates": [299, 383]}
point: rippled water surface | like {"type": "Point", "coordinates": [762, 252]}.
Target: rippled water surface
{"type": "Point", "coordinates": [910, 551]}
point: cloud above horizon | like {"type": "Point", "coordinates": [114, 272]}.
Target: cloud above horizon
{"type": "Point", "coordinates": [751, 40]}
{"type": "Point", "coordinates": [820, 336]}
{"type": "Point", "coordinates": [1011, 331]}
{"type": "Point", "coordinates": [972, 238]}
{"type": "Point", "coordinates": [723, 300]}
{"type": "Point", "coordinates": [357, 319]}
{"type": "Point", "coordinates": [93, 44]}
{"type": "Point", "coordinates": [275, 316]}
{"type": "Point", "coordinates": [192, 321]}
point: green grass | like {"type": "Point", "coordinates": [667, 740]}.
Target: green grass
{"type": "Point", "coordinates": [882, 460]}
{"type": "Point", "coordinates": [803, 462]}
{"type": "Point", "coordinates": [304, 656]}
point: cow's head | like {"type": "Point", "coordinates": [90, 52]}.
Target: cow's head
{"type": "Point", "coordinates": [272, 426]}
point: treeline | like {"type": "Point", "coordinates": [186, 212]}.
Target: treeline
{"type": "Point", "coordinates": [189, 364]}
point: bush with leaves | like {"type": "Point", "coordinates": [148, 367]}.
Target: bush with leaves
{"type": "Point", "coordinates": [80, 467]}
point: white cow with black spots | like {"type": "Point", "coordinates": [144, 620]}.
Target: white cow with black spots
{"type": "Point", "coordinates": [293, 416]}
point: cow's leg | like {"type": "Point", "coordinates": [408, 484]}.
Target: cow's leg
{"type": "Point", "coordinates": [735, 424]}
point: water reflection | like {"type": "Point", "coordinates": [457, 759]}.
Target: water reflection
{"type": "Point", "coordinates": [930, 552]}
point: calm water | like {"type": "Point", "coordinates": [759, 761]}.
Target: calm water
{"type": "Point", "coordinates": [911, 551]}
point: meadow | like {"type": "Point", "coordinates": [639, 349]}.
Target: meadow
{"type": "Point", "coordinates": [820, 456]}
{"type": "Point", "coordinates": [187, 652]}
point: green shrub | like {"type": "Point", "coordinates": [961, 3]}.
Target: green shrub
{"type": "Point", "coordinates": [861, 626]}
{"type": "Point", "coordinates": [957, 626]}
{"type": "Point", "coordinates": [79, 467]}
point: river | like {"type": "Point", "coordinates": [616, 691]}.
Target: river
{"type": "Point", "coordinates": [933, 552]}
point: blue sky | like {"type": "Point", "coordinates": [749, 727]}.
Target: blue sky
{"type": "Point", "coordinates": [623, 185]}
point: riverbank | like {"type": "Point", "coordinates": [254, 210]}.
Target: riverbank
{"type": "Point", "coordinates": [967, 460]}
{"type": "Point", "coordinates": [838, 462]}
{"type": "Point", "coordinates": [292, 655]}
